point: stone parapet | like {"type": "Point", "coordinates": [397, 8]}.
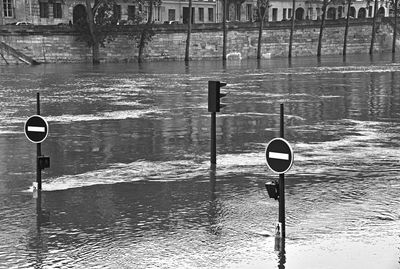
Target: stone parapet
{"type": "Point", "coordinates": [60, 44]}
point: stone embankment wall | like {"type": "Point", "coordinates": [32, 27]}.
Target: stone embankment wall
{"type": "Point", "coordinates": [59, 44]}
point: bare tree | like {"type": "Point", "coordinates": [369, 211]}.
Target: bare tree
{"type": "Point", "coordinates": [147, 32]}
{"type": "Point", "coordinates": [346, 31]}
{"type": "Point", "coordinates": [144, 33]}
{"type": "Point", "coordinates": [96, 28]}
{"type": "Point", "coordinates": [292, 28]}
{"type": "Point", "coordinates": [189, 32]}
{"type": "Point", "coordinates": [371, 48]}
{"type": "Point", "coordinates": [224, 30]}
{"type": "Point", "coordinates": [262, 9]}
{"type": "Point", "coordinates": [396, 3]}
{"type": "Point", "coordinates": [322, 25]}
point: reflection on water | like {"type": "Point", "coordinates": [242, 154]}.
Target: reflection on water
{"type": "Point", "coordinates": [130, 185]}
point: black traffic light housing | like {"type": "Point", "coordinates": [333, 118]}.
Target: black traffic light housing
{"type": "Point", "coordinates": [44, 162]}
{"type": "Point", "coordinates": [272, 189]}
{"type": "Point", "coordinates": [215, 95]}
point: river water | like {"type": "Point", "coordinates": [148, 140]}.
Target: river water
{"type": "Point", "coordinates": [130, 186]}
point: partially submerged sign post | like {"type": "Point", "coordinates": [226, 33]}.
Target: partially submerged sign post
{"type": "Point", "coordinates": [279, 158]}
{"type": "Point", "coordinates": [36, 130]}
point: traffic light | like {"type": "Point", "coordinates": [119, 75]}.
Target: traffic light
{"type": "Point", "coordinates": [44, 162]}
{"type": "Point", "coordinates": [272, 189]}
{"type": "Point", "coordinates": [214, 95]}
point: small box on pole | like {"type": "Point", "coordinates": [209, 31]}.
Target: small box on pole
{"type": "Point", "coordinates": [44, 162]}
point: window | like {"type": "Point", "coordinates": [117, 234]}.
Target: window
{"type": "Point", "coordinates": [157, 13]}
{"type": "Point", "coordinates": [8, 8]}
{"type": "Point", "coordinates": [284, 14]}
{"type": "Point", "coordinates": [238, 12]}
{"type": "Point", "coordinates": [131, 12]}
{"type": "Point", "coordinates": [319, 15]}
{"type": "Point", "coordinates": [201, 14]}
{"type": "Point", "coordinates": [274, 14]}
{"type": "Point", "coordinates": [44, 9]}
{"type": "Point", "coordinates": [289, 13]}
{"type": "Point", "coordinates": [171, 14]}
{"type": "Point", "coordinates": [310, 13]}
{"type": "Point", "coordinates": [211, 15]}
{"type": "Point", "coordinates": [370, 12]}
{"type": "Point", "coordinates": [117, 11]}
{"type": "Point", "coordinates": [57, 11]}
{"type": "Point", "coordinates": [249, 12]}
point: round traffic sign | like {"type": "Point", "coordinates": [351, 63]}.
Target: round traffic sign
{"type": "Point", "coordinates": [279, 155]}
{"type": "Point", "coordinates": [36, 129]}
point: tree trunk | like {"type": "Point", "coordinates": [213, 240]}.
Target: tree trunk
{"type": "Point", "coordinates": [346, 31]}
{"type": "Point", "coordinates": [96, 53]}
{"type": "Point", "coordinates": [292, 28]}
{"type": "Point", "coordinates": [143, 37]}
{"type": "Point", "coordinates": [396, 2]}
{"type": "Point", "coordinates": [141, 45]}
{"type": "Point", "coordinates": [189, 31]}
{"type": "Point", "coordinates": [321, 29]}
{"type": "Point", "coordinates": [1, 14]}
{"type": "Point", "coordinates": [91, 25]}
{"type": "Point", "coordinates": [371, 48]}
{"type": "Point", "coordinates": [224, 30]}
{"type": "Point", "coordinates": [260, 29]}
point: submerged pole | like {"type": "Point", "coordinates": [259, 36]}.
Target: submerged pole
{"type": "Point", "coordinates": [38, 151]}
{"type": "Point", "coordinates": [282, 184]}
{"type": "Point", "coordinates": [213, 140]}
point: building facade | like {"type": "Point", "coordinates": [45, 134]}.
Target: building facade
{"type": "Point", "coordinates": [53, 12]}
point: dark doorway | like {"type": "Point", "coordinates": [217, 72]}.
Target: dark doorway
{"type": "Point", "coordinates": [340, 12]}
{"type": "Point", "coordinates": [299, 14]}
{"type": "Point", "coordinates": [79, 14]}
{"type": "Point", "coordinates": [186, 15]}
{"type": "Point", "coordinates": [331, 13]}
{"type": "Point", "coordinates": [362, 13]}
{"type": "Point", "coordinates": [352, 12]}
{"type": "Point", "coordinates": [381, 12]}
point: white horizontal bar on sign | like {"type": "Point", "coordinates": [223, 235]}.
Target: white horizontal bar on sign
{"type": "Point", "coordinates": [279, 156]}
{"type": "Point", "coordinates": [36, 129]}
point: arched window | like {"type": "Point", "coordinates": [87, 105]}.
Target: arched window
{"type": "Point", "coordinates": [79, 14]}
{"type": "Point", "coordinates": [340, 12]}
{"type": "Point", "coordinates": [352, 12]}
{"type": "Point", "coordinates": [331, 13]}
{"type": "Point", "coordinates": [362, 13]}
{"type": "Point", "coordinates": [299, 14]}
{"type": "Point", "coordinates": [381, 12]}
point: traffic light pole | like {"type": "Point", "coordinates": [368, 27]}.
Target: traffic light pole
{"type": "Point", "coordinates": [214, 105]}
{"type": "Point", "coordinates": [282, 187]}
{"type": "Point", "coordinates": [38, 151]}
{"type": "Point", "coordinates": [213, 140]}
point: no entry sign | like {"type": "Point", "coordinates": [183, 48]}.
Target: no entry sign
{"type": "Point", "coordinates": [279, 155]}
{"type": "Point", "coordinates": [36, 129]}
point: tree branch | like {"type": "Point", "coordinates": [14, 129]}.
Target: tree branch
{"type": "Point", "coordinates": [96, 5]}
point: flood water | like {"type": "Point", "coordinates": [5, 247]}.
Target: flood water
{"type": "Point", "coordinates": [130, 187]}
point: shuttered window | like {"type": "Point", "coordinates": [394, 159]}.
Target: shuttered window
{"type": "Point", "coordinates": [8, 8]}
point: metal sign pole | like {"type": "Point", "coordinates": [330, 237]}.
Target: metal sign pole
{"type": "Point", "coordinates": [213, 140]}
{"type": "Point", "coordinates": [282, 186]}
{"type": "Point", "coordinates": [38, 151]}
